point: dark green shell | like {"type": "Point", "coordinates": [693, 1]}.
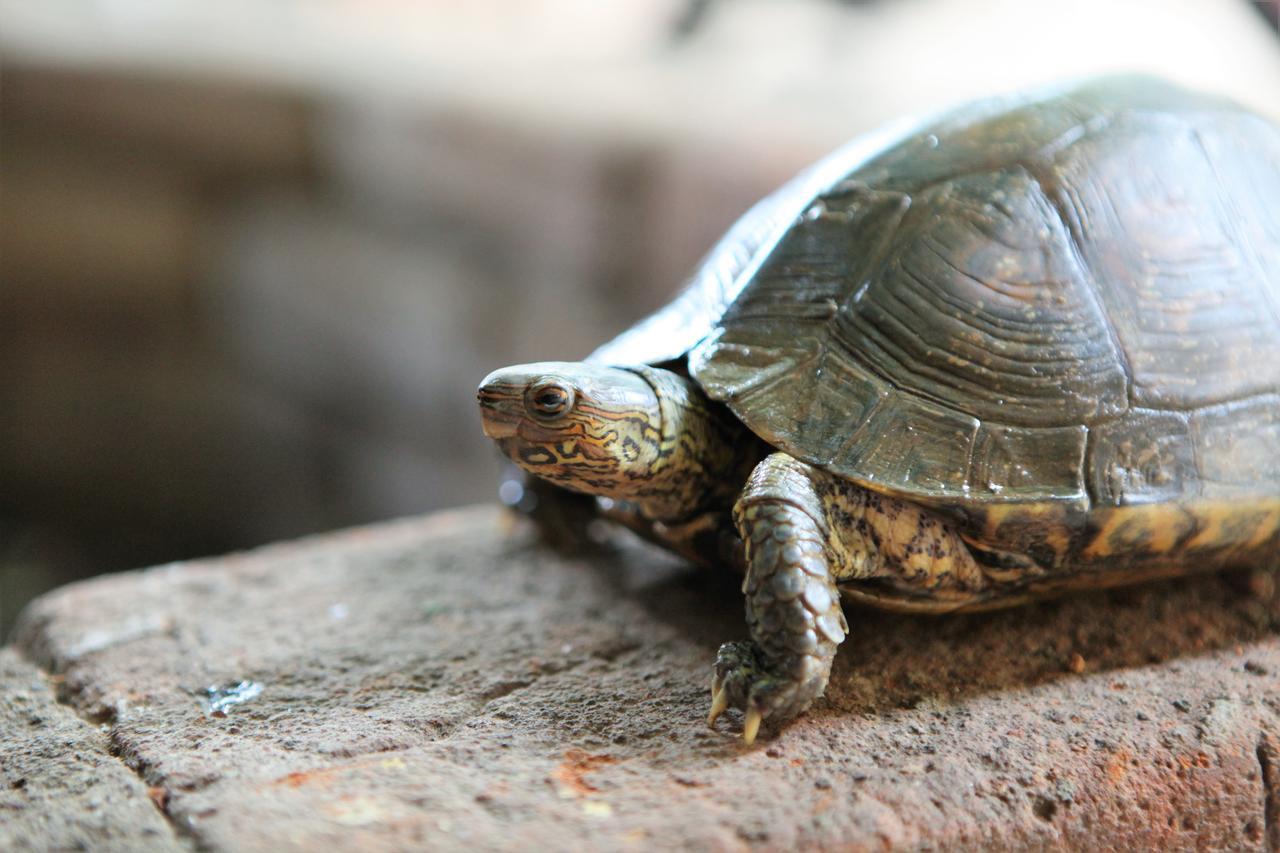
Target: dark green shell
{"type": "Point", "coordinates": [1071, 298]}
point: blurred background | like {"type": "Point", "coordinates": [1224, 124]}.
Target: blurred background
{"type": "Point", "coordinates": [255, 256]}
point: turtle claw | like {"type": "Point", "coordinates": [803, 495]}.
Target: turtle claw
{"type": "Point", "coordinates": [720, 704]}
{"type": "Point", "coordinates": [741, 682]}
{"type": "Point", "coordinates": [751, 725]}
{"type": "Point", "coordinates": [719, 700]}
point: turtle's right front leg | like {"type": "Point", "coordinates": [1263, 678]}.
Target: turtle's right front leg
{"type": "Point", "coordinates": [804, 528]}
{"type": "Point", "coordinates": [793, 605]}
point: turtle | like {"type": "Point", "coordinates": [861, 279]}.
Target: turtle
{"type": "Point", "coordinates": [1027, 346]}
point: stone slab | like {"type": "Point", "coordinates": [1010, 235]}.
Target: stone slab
{"type": "Point", "coordinates": [448, 683]}
{"type": "Point", "coordinates": [61, 788]}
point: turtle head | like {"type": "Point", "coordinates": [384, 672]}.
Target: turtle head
{"type": "Point", "coordinates": [586, 427]}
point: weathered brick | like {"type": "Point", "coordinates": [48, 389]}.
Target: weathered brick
{"type": "Point", "coordinates": [60, 786]}
{"type": "Point", "coordinates": [446, 682]}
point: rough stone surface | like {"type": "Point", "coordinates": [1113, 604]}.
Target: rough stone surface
{"type": "Point", "coordinates": [61, 788]}
{"type": "Point", "coordinates": [446, 682]}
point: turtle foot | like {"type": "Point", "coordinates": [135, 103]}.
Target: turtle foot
{"type": "Point", "coordinates": [792, 602]}
{"type": "Point", "coordinates": [745, 680]}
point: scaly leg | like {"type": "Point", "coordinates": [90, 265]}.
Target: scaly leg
{"type": "Point", "coordinates": [793, 606]}
{"type": "Point", "coordinates": [804, 530]}
{"type": "Point", "coordinates": [707, 539]}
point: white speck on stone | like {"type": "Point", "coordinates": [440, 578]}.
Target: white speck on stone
{"type": "Point", "coordinates": [339, 611]}
{"type": "Point", "coordinates": [597, 809]}
{"type": "Point", "coordinates": [223, 699]}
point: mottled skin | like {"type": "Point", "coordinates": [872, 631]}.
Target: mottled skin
{"type": "Point", "coordinates": [669, 461]}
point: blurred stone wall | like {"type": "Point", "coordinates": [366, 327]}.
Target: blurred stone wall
{"type": "Point", "coordinates": [240, 310]}
{"type": "Point", "coordinates": [127, 436]}
{"type": "Point", "coordinates": [230, 314]}
{"type": "Point", "coordinates": [247, 290]}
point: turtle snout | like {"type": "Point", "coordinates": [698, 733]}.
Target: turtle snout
{"type": "Point", "coordinates": [499, 410]}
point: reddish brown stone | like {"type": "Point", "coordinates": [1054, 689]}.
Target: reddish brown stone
{"type": "Point", "coordinates": [445, 682]}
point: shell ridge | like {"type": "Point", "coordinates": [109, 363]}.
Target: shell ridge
{"type": "Point", "coordinates": [967, 364]}
{"type": "Point", "coordinates": [1091, 287]}
{"type": "Point", "coordinates": [906, 362]}
{"type": "Point", "coordinates": [770, 379]}
{"type": "Point", "coordinates": [989, 327]}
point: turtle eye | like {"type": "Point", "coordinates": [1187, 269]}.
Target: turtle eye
{"type": "Point", "coordinates": [549, 400]}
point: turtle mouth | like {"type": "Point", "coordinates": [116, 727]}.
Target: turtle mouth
{"type": "Point", "coordinates": [498, 420]}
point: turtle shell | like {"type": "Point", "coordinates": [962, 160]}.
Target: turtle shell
{"type": "Point", "coordinates": [1070, 298]}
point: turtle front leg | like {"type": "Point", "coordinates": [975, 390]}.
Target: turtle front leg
{"type": "Point", "coordinates": [793, 605]}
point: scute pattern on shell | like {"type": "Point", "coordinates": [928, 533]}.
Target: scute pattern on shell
{"type": "Point", "coordinates": [1052, 303]}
